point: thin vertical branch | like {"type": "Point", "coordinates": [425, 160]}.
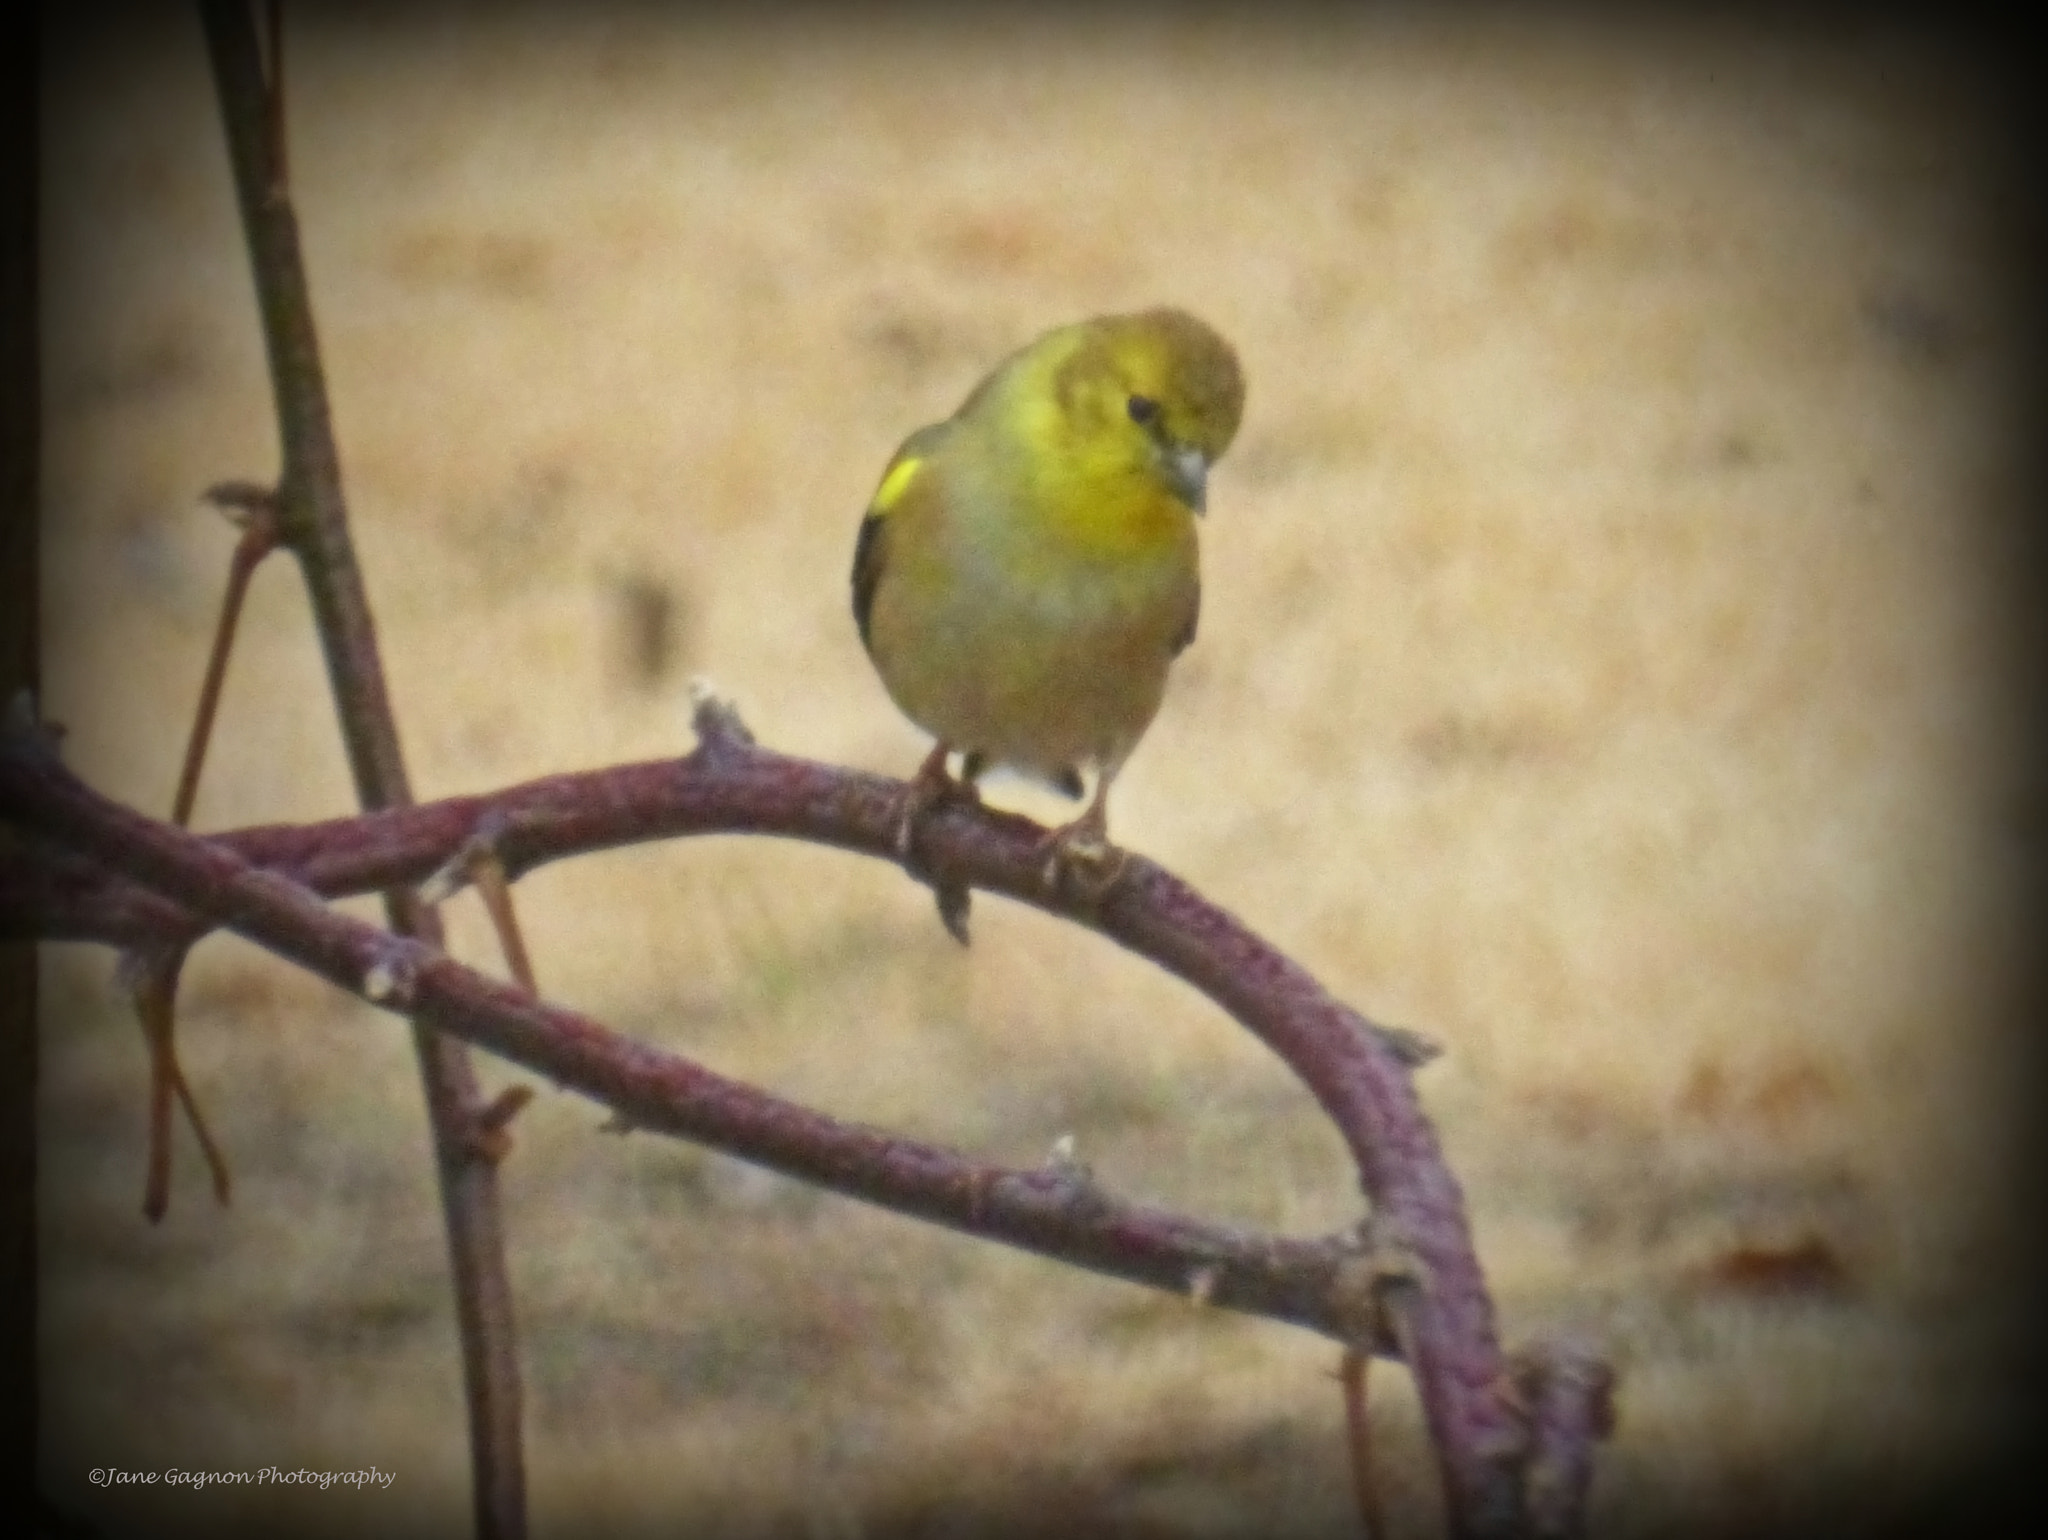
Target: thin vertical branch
{"type": "Point", "coordinates": [257, 513]}
{"type": "Point", "coordinates": [313, 522]}
{"type": "Point", "coordinates": [1352, 1375]}
{"type": "Point", "coordinates": [151, 977]}
{"type": "Point", "coordinates": [155, 989]}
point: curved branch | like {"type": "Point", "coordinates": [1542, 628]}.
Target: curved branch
{"type": "Point", "coordinates": [1056, 1209]}
{"type": "Point", "coordinates": [727, 785]}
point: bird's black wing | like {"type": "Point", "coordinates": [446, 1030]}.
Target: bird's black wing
{"type": "Point", "coordinates": [869, 552]}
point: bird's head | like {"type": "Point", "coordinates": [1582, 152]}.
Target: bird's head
{"type": "Point", "coordinates": [1160, 389]}
{"type": "Point", "coordinates": [1155, 395]}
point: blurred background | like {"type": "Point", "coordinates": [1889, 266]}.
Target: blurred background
{"type": "Point", "coordinates": [1601, 672]}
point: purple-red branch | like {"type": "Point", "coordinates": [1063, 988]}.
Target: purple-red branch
{"type": "Point", "coordinates": [312, 520]}
{"type": "Point", "coordinates": [175, 884]}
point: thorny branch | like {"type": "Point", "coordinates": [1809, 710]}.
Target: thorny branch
{"type": "Point", "coordinates": [95, 870]}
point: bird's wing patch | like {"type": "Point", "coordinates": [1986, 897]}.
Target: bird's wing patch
{"type": "Point", "coordinates": [895, 482]}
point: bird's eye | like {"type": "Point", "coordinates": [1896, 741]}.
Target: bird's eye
{"type": "Point", "coordinates": [1144, 411]}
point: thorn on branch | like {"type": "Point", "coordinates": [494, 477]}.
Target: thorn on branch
{"type": "Point", "coordinates": [954, 899]}
{"type": "Point", "coordinates": [481, 851]}
{"type": "Point", "coordinates": [1064, 1163]}
{"type": "Point", "coordinates": [716, 721]}
{"type": "Point", "coordinates": [1412, 1048]}
{"type": "Point", "coordinates": [392, 978]}
{"type": "Point", "coordinates": [480, 863]}
{"type": "Point", "coordinates": [247, 504]}
{"type": "Point", "coordinates": [1080, 1194]}
{"type": "Point", "coordinates": [489, 1135]}
{"type": "Point", "coordinates": [447, 879]}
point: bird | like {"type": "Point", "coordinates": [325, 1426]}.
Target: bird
{"type": "Point", "coordinates": [1028, 569]}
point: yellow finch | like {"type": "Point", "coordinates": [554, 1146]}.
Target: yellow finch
{"type": "Point", "coordinates": [1027, 569]}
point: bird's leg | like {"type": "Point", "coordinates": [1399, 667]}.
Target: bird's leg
{"type": "Point", "coordinates": [930, 788]}
{"type": "Point", "coordinates": [1081, 852]}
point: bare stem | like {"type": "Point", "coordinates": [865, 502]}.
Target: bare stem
{"type": "Point", "coordinates": [1352, 1374]}
{"type": "Point", "coordinates": [155, 994]}
{"type": "Point", "coordinates": [313, 521]}
{"type": "Point", "coordinates": [258, 540]}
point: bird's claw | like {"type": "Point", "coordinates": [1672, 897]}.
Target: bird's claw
{"type": "Point", "coordinates": [1078, 858]}
{"type": "Point", "coordinates": [913, 808]}
{"type": "Point", "coordinates": [930, 789]}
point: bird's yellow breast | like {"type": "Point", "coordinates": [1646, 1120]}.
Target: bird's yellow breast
{"type": "Point", "coordinates": [1039, 636]}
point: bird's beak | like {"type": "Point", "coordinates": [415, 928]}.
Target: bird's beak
{"type": "Point", "coordinates": [1187, 472]}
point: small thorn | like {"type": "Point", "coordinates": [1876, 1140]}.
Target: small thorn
{"type": "Point", "coordinates": [477, 863]}
{"type": "Point", "coordinates": [445, 881]}
{"type": "Point", "coordinates": [390, 980]}
{"type": "Point", "coordinates": [243, 502]}
{"type": "Point", "coordinates": [1412, 1048]}
{"type": "Point", "coordinates": [716, 720]}
{"type": "Point", "coordinates": [1080, 1191]}
{"type": "Point", "coordinates": [953, 899]}
{"type": "Point", "coordinates": [505, 1106]}
{"type": "Point", "coordinates": [490, 1135]}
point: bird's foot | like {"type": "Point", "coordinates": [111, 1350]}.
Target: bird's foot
{"type": "Point", "coordinates": [929, 790]}
{"type": "Point", "coordinates": [1080, 860]}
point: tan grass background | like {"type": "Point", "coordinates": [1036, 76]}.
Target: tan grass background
{"type": "Point", "coordinates": [1597, 673]}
